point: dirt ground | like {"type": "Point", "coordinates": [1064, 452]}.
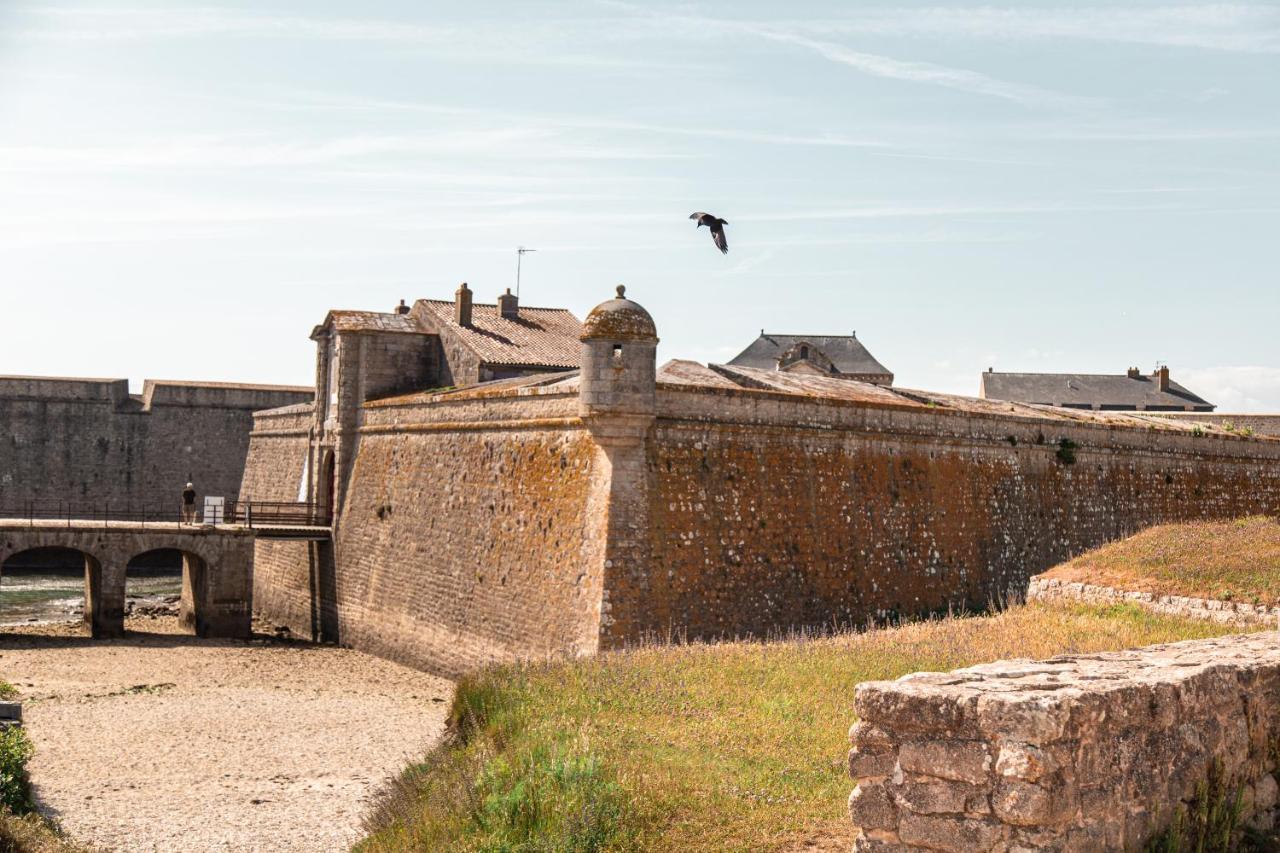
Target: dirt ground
{"type": "Point", "coordinates": [160, 741]}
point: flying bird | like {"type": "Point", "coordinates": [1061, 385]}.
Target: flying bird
{"type": "Point", "coordinates": [717, 229]}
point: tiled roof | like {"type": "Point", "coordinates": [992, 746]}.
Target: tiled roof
{"type": "Point", "coordinates": [537, 337]}
{"type": "Point", "coordinates": [370, 321]}
{"type": "Point", "coordinates": [845, 351]}
{"type": "Point", "coordinates": [1088, 389]}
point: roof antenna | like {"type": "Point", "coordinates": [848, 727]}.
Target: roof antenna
{"type": "Point", "coordinates": [520, 253]}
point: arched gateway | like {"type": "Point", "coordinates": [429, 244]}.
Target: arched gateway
{"type": "Point", "coordinates": [217, 569]}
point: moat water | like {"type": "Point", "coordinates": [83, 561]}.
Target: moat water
{"type": "Point", "coordinates": [58, 595]}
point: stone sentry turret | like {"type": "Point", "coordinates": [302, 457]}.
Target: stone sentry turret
{"type": "Point", "coordinates": [619, 364]}
{"type": "Point", "coordinates": [617, 403]}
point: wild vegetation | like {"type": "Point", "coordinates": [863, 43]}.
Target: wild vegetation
{"type": "Point", "coordinates": [1232, 560]}
{"type": "Point", "coordinates": [733, 746]}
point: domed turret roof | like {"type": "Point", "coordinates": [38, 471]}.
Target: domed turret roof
{"type": "Point", "coordinates": [619, 319]}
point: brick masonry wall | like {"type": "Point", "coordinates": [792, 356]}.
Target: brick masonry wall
{"type": "Point", "coordinates": [1073, 753]}
{"type": "Point", "coordinates": [767, 513]}
{"type": "Point", "coordinates": [90, 441]}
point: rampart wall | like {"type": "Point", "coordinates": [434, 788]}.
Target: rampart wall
{"type": "Point", "coordinates": [769, 511]}
{"type": "Point", "coordinates": [1094, 752]}
{"type": "Point", "coordinates": [1257, 424]}
{"type": "Point", "coordinates": [468, 534]}
{"type": "Point", "coordinates": [90, 441]}
{"type": "Point", "coordinates": [486, 526]}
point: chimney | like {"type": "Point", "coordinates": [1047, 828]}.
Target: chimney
{"type": "Point", "coordinates": [1134, 373]}
{"type": "Point", "coordinates": [402, 308]}
{"type": "Point", "coordinates": [508, 306]}
{"type": "Point", "coordinates": [1162, 377]}
{"type": "Point", "coordinates": [462, 305]}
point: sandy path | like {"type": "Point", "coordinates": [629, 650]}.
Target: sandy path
{"type": "Point", "coordinates": [164, 742]}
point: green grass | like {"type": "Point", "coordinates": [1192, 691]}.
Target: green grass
{"type": "Point", "coordinates": [1234, 560]}
{"type": "Point", "coordinates": [737, 746]}
{"type": "Point", "coordinates": [7, 692]}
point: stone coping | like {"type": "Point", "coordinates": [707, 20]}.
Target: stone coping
{"type": "Point", "coordinates": [1211, 609]}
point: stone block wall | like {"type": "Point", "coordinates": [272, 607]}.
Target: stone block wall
{"type": "Point", "coordinates": [1079, 753]}
{"type": "Point", "coordinates": [768, 512]}
{"type": "Point", "coordinates": [469, 533]}
{"type": "Point", "coordinates": [1209, 609]}
{"type": "Point", "coordinates": [279, 455]}
{"type": "Point", "coordinates": [90, 441]}
{"type": "Point", "coordinates": [1258, 424]}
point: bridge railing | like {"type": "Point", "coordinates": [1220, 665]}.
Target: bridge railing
{"type": "Point", "coordinates": [249, 513]}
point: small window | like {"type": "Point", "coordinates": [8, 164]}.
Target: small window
{"type": "Point", "coordinates": [617, 354]}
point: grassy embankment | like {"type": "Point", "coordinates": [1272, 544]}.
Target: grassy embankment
{"type": "Point", "coordinates": [1233, 560]}
{"type": "Point", "coordinates": [737, 746]}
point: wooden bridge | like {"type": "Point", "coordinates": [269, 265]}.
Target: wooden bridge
{"type": "Point", "coordinates": [217, 557]}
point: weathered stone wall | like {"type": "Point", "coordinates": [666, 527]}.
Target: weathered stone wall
{"type": "Point", "coordinates": [1208, 609]}
{"type": "Point", "coordinates": [90, 441]}
{"type": "Point", "coordinates": [1257, 424]}
{"type": "Point", "coordinates": [769, 511]}
{"type": "Point", "coordinates": [1074, 753]}
{"type": "Point", "coordinates": [279, 456]}
{"type": "Point", "coordinates": [468, 534]}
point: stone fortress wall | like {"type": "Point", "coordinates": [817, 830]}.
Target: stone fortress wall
{"type": "Point", "coordinates": [92, 442]}
{"type": "Point", "coordinates": [1082, 753]}
{"type": "Point", "coordinates": [1257, 424]}
{"type": "Point", "coordinates": [524, 518]}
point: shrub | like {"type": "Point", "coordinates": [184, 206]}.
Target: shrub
{"type": "Point", "coordinates": [1066, 451]}
{"type": "Point", "coordinates": [15, 788]}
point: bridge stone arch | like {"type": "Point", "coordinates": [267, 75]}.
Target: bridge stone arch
{"type": "Point", "coordinates": [217, 584]}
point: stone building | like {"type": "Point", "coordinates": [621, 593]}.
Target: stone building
{"type": "Point", "coordinates": [568, 511]}
{"type": "Point", "coordinates": [1127, 392]}
{"type": "Point", "coordinates": [840, 356]}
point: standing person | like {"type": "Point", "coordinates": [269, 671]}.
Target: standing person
{"type": "Point", "coordinates": [189, 503]}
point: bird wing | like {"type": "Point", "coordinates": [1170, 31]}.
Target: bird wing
{"type": "Point", "coordinates": [697, 215]}
{"type": "Point", "coordinates": [722, 242]}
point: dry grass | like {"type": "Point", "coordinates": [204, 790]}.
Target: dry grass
{"type": "Point", "coordinates": [32, 834]}
{"type": "Point", "coordinates": [737, 746]}
{"type": "Point", "coordinates": [1236, 560]}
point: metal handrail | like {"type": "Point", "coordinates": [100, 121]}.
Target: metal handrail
{"type": "Point", "coordinates": [251, 513]}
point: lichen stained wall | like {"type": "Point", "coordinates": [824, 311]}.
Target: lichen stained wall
{"type": "Point", "coordinates": [769, 512]}
{"type": "Point", "coordinates": [468, 533]}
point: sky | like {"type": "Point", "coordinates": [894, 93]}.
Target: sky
{"type": "Point", "coordinates": [187, 188]}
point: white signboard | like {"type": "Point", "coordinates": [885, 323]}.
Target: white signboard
{"type": "Point", "coordinates": [214, 509]}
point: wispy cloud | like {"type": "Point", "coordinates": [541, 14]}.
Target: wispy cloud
{"type": "Point", "coordinates": [1216, 26]}
{"type": "Point", "coordinates": [205, 153]}
{"type": "Point", "coordinates": [534, 42]}
{"type": "Point", "coordinates": [920, 72]}
{"type": "Point", "coordinates": [802, 34]}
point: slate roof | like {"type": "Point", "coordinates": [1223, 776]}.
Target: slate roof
{"type": "Point", "coordinates": [845, 351]}
{"type": "Point", "coordinates": [538, 337]}
{"type": "Point", "coordinates": [1088, 389]}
